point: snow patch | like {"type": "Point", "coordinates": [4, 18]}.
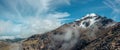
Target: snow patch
{"type": "Point", "coordinates": [90, 15]}
{"type": "Point", "coordinates": [90, 21]}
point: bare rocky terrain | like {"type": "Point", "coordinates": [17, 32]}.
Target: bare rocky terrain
{"type": "Point", "coordinates": [10, 46]}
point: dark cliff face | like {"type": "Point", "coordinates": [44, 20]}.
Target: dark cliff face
{"type": "Point", "coordinates": [92, 32]}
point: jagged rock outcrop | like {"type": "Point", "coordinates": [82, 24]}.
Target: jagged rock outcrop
{"type": "Point", "coordinates": [92, 32]}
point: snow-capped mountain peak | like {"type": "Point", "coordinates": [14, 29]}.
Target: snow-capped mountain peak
{"type": "Point", "coordinates": [88, 20]}
{"type": "Point", "coordinates": [90, 15]}
{"type": "Point", "coordinates": [91, 20]}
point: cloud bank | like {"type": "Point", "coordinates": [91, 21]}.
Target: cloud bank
{"type": "Point", "coordinates": [23, 18]}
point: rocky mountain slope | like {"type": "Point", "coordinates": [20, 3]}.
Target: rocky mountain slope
{"type": "Point", "coordinates": [10, 46]}
{"type": "Point", "coordinates": [92, 32]}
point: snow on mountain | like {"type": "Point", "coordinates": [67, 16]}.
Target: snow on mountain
{"type": "Point", "coordinates": [92, 18]}
{"type": "Point", "coordinates": [90, 15]}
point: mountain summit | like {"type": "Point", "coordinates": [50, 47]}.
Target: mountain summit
{"type": "Point", "coordinates": [92, 32]}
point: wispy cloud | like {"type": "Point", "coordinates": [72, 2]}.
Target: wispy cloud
{"type": "Point", "coordinates": [27, 17]}
{"type": "Point", "coordinates": [84, 1]}
{"type": "Point", "coordinates": [115, 6]}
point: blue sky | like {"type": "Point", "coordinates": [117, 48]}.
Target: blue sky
{"type": "Point", "coordinates": [23, 18]}
{"type": "Point", "coordinates": [79, 8]}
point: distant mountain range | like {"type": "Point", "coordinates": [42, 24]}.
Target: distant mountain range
{"type": "Point", "coordinates": [92, 32]}
{"type": "Point", "coordinates": [12, 40]}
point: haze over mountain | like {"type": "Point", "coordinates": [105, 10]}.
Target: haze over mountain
{"type": "Point", "coordinates": [92, 32]}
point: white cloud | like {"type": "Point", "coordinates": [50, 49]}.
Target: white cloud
{"type": "Point", "coordinates": [115, 6]}
{"type": "Point", "coordinates": [28, 17]}
{"type": "Point", "coordinates": [58, 2]}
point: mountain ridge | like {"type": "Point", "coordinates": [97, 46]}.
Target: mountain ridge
{"type": "Point", "coordinates": [78, 35]}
